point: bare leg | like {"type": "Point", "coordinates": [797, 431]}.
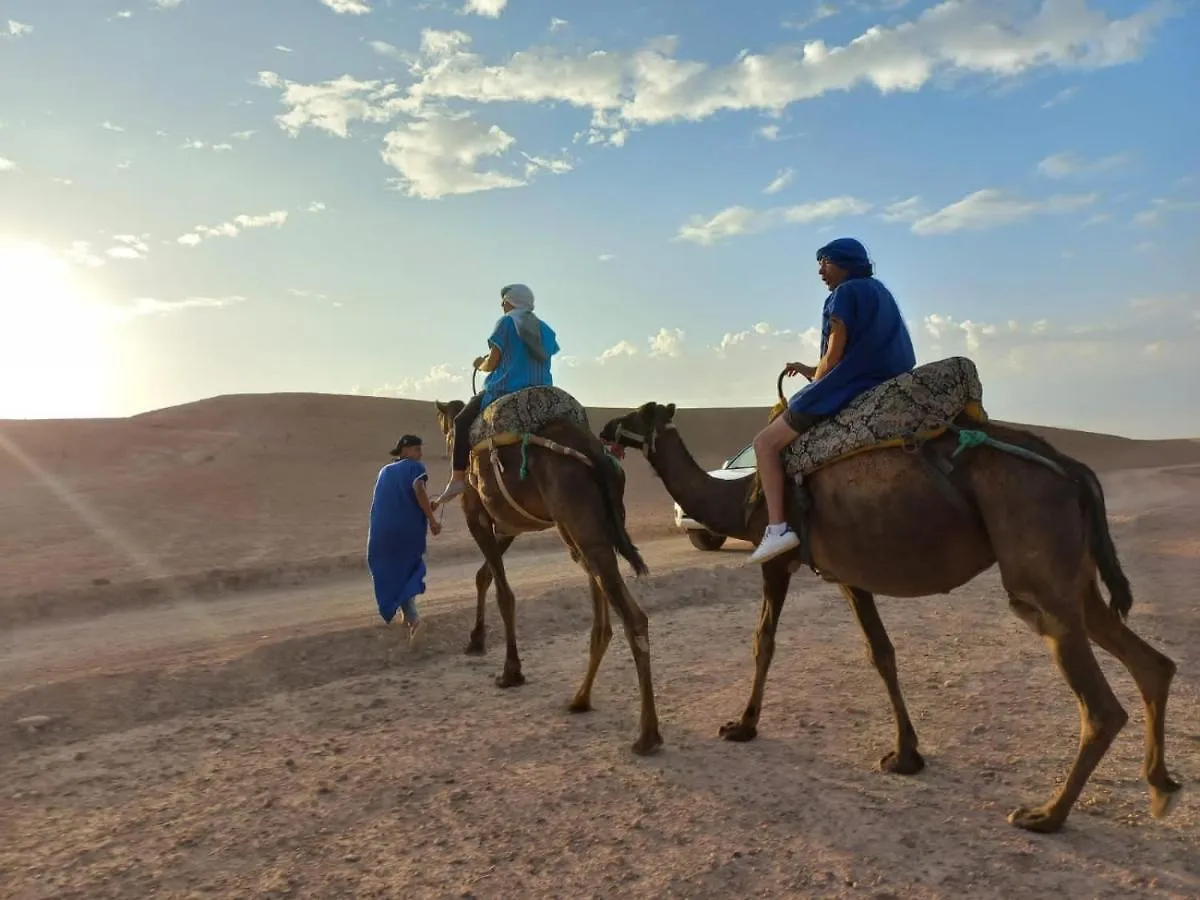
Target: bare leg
{"type": "Point", "coordinates": [905, 759]}
{"type": "Point", "coordinates": [1100, 713]}
{"type": "Point", "coordinates": [1153, 672]}
{"type": "Point", "coordinates": [601, 636]}
{"type": "Point", "coordinates": [768, 444]}
{"type": "Point", "coordinates": [776, 579]}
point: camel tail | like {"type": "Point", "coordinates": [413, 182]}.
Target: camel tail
{"type": "Point", "coordinates": [612, 489]}
{"type": "Point", "coordinates": [1104, 551]}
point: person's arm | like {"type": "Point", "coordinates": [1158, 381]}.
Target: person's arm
{"type": "Point", "coordinates": [488, 363]}
{"type": "Point", "coordinates": [496, 345]}
{"type": "Point", "coordinates": [423, 501]}
{"type": "Point", "coordinates": [833, 351]}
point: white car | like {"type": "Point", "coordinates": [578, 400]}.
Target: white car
{"type": "Point", "coordinates": [741, 465]}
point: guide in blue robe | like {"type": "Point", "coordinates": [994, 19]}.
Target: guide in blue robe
{"type": "Point", "coordinates": [396, 539]}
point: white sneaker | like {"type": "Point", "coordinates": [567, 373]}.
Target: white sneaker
{"type": "Point", "coordinates": [773, 545]}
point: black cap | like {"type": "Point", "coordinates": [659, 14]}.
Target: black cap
{"type": "Point", "coordinates": [407, 440]}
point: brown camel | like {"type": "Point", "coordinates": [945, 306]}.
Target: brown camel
{"type": "Point", "coordinates": [878, 523]}
{"type": "Point", "coordinates": [472, 510]}
{"type": "Point", "coordinates": [571, 484]}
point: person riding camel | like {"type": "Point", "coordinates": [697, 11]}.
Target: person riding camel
{"type": "Point", "coordinates": [864, 342]}
{"type": "Point", "coordinates": [521, 347]}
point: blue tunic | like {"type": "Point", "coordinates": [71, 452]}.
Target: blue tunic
{"type": "Point", "coordinates": [397, 537]}
{"type": "Point", "coordinates": [878, 347]}
{"type": "Point", "coordinates": [517, 369]}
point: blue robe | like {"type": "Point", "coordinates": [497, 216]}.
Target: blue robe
{"type": "Point", "coordinates": [517, 369]}
{"type": "Point", "coordinates": [397, 538]}
{"type": "Point", "coordinates": [878, 347]}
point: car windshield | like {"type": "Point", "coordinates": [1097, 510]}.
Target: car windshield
{"type": "Point", "coordinates": [743, 460]}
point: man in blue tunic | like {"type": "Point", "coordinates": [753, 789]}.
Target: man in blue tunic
{"type": "Point", "coordinates": [519, 355]}
{"type": "Point", "coordinates": [864, 342]}
{"type": "Point", "coordinates": [401, 513]}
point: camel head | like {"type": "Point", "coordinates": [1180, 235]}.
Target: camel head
{"type": "Point", "coordinates": [445, 416]}
{"type": "Point", "coordinates": [637, 430]}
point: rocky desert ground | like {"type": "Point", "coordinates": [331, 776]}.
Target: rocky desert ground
{"type": "Point", "coordinates": [197, 698]}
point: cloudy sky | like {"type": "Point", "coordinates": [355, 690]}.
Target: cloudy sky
{"type": "Point", "coordinates": [202, 197]}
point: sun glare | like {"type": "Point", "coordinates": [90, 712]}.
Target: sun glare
{"type": "Point", "coordinates": [53, 341]}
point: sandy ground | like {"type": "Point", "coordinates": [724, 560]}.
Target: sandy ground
{"type": "Point", "coordinates": [207, 742]}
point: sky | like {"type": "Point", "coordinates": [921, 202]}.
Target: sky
{"type": "Point", "coordinates": [204, 197]}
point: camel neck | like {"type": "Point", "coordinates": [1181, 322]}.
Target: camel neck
{"type": "Point", "coordinates": [717, 504]}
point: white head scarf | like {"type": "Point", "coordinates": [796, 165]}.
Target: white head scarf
{"type": "Point", "coordinates": [529, 327]}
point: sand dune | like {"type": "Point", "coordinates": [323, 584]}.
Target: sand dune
{"type": "Point", "coordinates": [249, 490]}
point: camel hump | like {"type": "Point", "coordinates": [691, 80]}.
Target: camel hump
{"type": "Point", "coordinates": [527, 411]}
{"type": "Point", "coordinates": [918, 404]}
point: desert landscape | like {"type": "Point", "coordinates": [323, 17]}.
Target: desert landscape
{"type": "Point", "coordinates": [198, 699]}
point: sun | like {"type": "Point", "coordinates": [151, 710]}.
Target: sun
{"type": "Point", "coordinates": [53, 337]}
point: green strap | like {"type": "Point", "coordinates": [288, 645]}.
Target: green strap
{"type": "Point", "coordinates": [969, 438]}
{"type": "Point", "coordinates": [524, 456]}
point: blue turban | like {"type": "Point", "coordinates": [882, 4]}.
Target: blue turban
{"type": "Point", "coordinates": [850, 255]}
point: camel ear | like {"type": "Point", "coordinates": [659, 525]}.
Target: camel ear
{"type": "Point", "coordinates": [669, 409]}
{"type": "Point", "coordinates": [441, 407]}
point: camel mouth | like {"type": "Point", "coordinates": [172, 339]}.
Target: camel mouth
{"type": "Point", "coordinates": [617, 450]}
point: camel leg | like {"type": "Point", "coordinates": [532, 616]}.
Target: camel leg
{"type": "Point", "coordinates": [601, 636]}
{"type": "Point", "coordinates": [477, 645]}
{"type": "Point", "coordinates": [1101, 714]}
{"type": "Point", "coordinates": [601, 563]}
{"type": "Point", "coordinates": [493, 552]}
{"type": "Point", "coordinates": [776, 578]}
{"type": "Point", "coordinates": [905, 759]}
{"type": "Point", "coordinates": [1153, 672]}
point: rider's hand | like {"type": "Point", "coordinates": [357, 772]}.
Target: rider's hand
{"type": "Point", "coordinates": [479, 361]}
{"type": "Point", "coordinates": [799, 368]}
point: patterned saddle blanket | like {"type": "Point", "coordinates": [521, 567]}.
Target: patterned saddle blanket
{"type": "Point", "coordinates": [525, 412]}
{"type": "Point", "coordinates": [918, 404]}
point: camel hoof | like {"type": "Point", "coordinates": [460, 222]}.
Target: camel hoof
{"type": "Point", "coordinates": [909, 763]}
{"type": "Point", "coordinates": [580, 705]}
{"type": "Point", "coordinates": [475, 647]}
{"type": "Point", "coordinates": [1163, 799]}
{"type": "Point", "coordinates": [1038, 820]}
{"type": "Point", "coordinates": [505, 680]}
{"type": "Point", "coordinates": [648, 746]}
{"type": "Point", "coordinates": [736, 731]}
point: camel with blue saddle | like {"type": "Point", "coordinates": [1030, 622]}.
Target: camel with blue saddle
{"type": "Point", "coordinates": [911, 491]}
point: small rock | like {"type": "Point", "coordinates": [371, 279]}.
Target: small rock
{"type": "Point", "coordinates": [34, 723]}
{"type": "Point", "coordinates": [979, 729]}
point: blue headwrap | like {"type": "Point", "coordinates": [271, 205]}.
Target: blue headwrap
{"type": "Point", "coordinates": [850, 255]}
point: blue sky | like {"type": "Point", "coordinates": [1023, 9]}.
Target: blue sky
{"type": "Point", "coordinates": [201, 197]}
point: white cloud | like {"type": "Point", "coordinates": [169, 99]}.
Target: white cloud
{"type": "Point", "coordinates": [129, 246]}
{"type": "Point", "coordinates": [739, 220]}
{"type": "Point", "coordinates": [992, 208]}
{"type": "Point", "coordinates": [109, 126]}
{"type": "Point", "coordinates": [16, 29]}
{"type": "Point", "coordinates": [904, 210]}
{"type": "Point", "coordinates": [1160, 208]}
{"type": "Point", "coordinates": [316, 206]}
{"type": "Point", "coordinates": [234, 228]}
{"type": "Point", "coordinates": [284, 49]}
{"type": "Point", "coordinates": [330, 105]}
{"type": "Point", "coordinates": [668, 342]}
{"type": "Point", "coordinates": [624, 348]}
{"type": "Point", "coordinates": [1062, 165]}
{"type": "Point", "coordinates": [1066, 94]}
{"type": "Point", "coordinates": [605, 257]}
{"type": "Point", "coordinates": [489, 8]}
{"type": "Point", "coordinates": [820, 12]}
{"type": "Point", "coordinates": [124, 14]}
{"type": "Point", "coordinates": [439, 156]}
{"type": "Point", "coordinates": [149, 306]}
{"type": "Point", "coordinates": [431, 386]}
{"type": "Point", "coordinates": [7, 165]}
{"type": "Point", "coordinates": [624, 90]}
{"type": "Point", "coordinates": [349, 7]}
{"type": "Point", "coordinates": [204, 145]}
{"type": "Point", "coordinates": [781, 180]}
{"type": "Point", "coordinates": [244, 135]}
{"type": "Point", "coordinates": [557, 24]}
{"type": "Point", "coordinates": [769, 132]}
{"type": "Point", "coordinates": [166, 4]}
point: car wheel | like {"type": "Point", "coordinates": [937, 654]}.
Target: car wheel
{"type": "Point", "coordinates": [706, 540]}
